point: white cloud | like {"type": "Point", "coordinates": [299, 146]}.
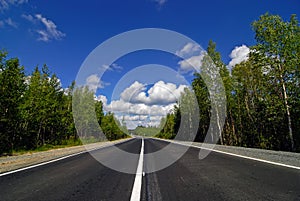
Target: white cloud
{"type": "Point", "coordinates": [119, 106]}
{"type": "Point", "coordinates": [30, 18]}
{"type": "Point", "coordinates": [8, 22]}
{"type": "Point", "coordinates": [113, 67]}
{"type": "Point", "coordinates": [131, 92]}
{"type": "Point", "coordinates": [192, 55]}
{"type": "Point", "coordinates": [238, 55]}
{"type": "Point", "coordinates": [141, 106]}
{"type": "Point", "coordinates": [94, 82]}
{"type": "Point", "coordinates": [160, 93]}
{"type": "Point", "coordinates": [103, 99]}
{"type": "Point", "coordinates": [155, 118]}
{"type": "Point", "coordinates": [44, 36]}
{"type": "Point", "coordinates": [51, 32]}
{"type": "Point", "coordinates": [132, 121]}
{"type": "Point", "coordinates": [136, 114]}
{"type": "Point", "coordinates": [11, 23]}
{"type": "Point", "coordinates": [191, 63]}
{"type": "Point", "coordinates": [135, 117]}
{"type": "Point", "coordinates": [5, 4]}
{"type": "Point", "coordinates": [188, 50]}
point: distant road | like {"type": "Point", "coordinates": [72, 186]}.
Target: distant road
{"type": "Point", "coordinates": [217, 177]}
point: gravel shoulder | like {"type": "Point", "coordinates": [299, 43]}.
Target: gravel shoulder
{"type": "Point", "coordinates": [9, 163]}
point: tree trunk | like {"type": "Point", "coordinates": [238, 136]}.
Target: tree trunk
{"type": "Point", "coordinates": [287, 107]}
{"type": "Point", "coordinates": [219, 127]}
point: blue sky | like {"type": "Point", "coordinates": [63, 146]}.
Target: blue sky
{"type": "Point", "coordinates": [62, 33]}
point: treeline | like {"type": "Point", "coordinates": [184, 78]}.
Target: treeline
{"type": "Point", "coordinates": [148, 131]}
{"type": "Point", "coordinates": [85, 107]}
{"type": "Point", "coordinates": [263, 92]}
{"type": "Point", "coordinates": [35, 111]}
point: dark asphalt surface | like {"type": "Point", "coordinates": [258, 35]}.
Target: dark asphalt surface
{"type": "Point", "coordinates": [76, 178]}
{"type": "Point", "coordinates": [217, 177]}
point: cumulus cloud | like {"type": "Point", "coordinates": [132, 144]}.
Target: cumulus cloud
{"type": "Point", "coordinates": [149, 115]}
{"type": "Point", "coordinates": [102, 98]}
{"type": "Point", "coordinates": [191, 63]}
{"type": "Point", "coordinates": [135, 117]}
{"type": "Point", "coordinates": [238, 55]}
{"type": "Point", "coordinates": [189, 50]}
{"type": "Point", "coordinates": [160, 93]}
{"type": "Point", "coordinates": [94, 82]}
{"type": "Point", "coordinates": [51, 32]}
{"type": "Point", "coordinates": [192, 55]}
{"type": "Point", "coordinates": [138, 104]}
{"type": "Point", "coordinates": [133, 121]}
{"type": "Point", "coordinates": [130, 93]}
{"type": "Point", "coordinates": [155, 118]}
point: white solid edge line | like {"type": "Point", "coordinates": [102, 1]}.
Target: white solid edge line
{"type": "Point", "coordinates": [137, 186]}
{"type": "Point", "coordinates": [57, 159]}
{"type": "Point", "coordinates": [237, 155]}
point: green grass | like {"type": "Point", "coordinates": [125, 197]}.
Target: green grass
{"type": "Point", "coordinates": [46, 147]}
{"type": "Point", "coordinates": [63, 144]}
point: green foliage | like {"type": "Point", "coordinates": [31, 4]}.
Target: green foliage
{"type": "Point", "coordinates": [105, 126]}
{"type": "Point", "coordinates": [146, 131]}
{"type": "Point", "coordinates": [279, 43]}
{"type": "Point", "coordinates": [202, 95]}
{"type": "Point", "coordinates": [12, 89]}
{"type": "Point", "coordinates": [112, 128]}
{"type": "Point", "coordinates": [262, 96]}
{"type": "Point", "coordinates": [262, 93]}
{"type": "Point", "coordinates": [182, 122]}
{"type": "Point", "coordinates": [36, 113]}
{"type": "Point", "coordinates": [168, 130]}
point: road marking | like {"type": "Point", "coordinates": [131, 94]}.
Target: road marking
{"type": "Point", "coordinates": [250, 158]}
{"type": "Point", "coordinates": [137, 186]}
{"type": "Point", "coordinates": [236, 155]}
{"type": "Point", "coordinates": [57, 159]}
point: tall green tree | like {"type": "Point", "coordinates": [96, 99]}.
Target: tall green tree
{"type": "Point", "coordinates": [111, 127]}
{"type": "Point", "coordinates": [279, 42]}
{"type": "Point", "coordinates": [43, 109]}
{"type": "Point", "coordinates": [12, 87]}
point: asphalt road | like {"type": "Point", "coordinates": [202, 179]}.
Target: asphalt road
{"type": "Point", "coordinates": [217, 177]}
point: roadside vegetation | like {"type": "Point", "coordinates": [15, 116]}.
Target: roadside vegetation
{"type": "Point", "coordinates": [263, 92]}
{"type": "Point", "coordinates": [263, 100]}
{"type": "Point", "coordinates": [146, 131]}
{"type": "Point", "coordinates": [36, 112]}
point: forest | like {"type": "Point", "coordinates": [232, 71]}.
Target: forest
{"type": "Point", "coordinates": [262, 93]}
{"type": "Point", "coordinates": [36, 112]}
{"type": "Point", "coordinates": [262, 97]}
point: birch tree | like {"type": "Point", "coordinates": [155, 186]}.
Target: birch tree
{"type": "Point", "coordinates": [279, 42]}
